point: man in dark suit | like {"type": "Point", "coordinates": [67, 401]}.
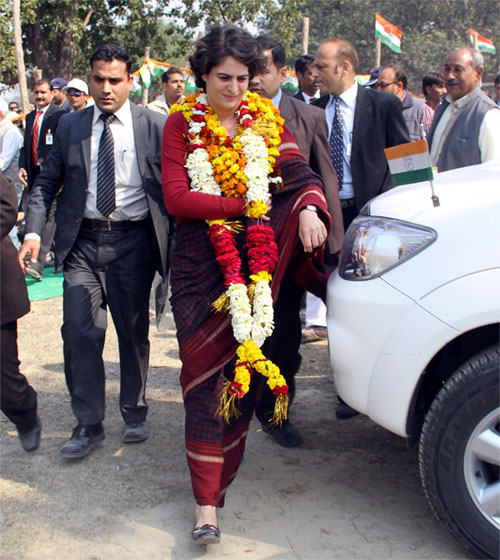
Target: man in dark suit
{"type": "Point", "coordinates": [39, 133]}
{"type": "Point", "coordinates": [308, 126]}
{"type": "Point", "coordinates": [308, 87]}
{"type": "Point", "coordinates": [370, 121]}
{"type": "Point", "coordinates": [361, 123]}
{"type": "Point", "coordinates": [18, 398]}
{"type": "Point", "coordinates": [112, 234]}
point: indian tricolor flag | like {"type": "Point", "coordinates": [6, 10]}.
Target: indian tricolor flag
{"type": "Point", "coordinates": [389, 34]}
{"type": "Point", "coordinates": [409, 163]}
{"type": "Point", "coordinates": [483, 43]}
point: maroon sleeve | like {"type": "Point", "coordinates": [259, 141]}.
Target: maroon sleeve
{"type": "Point", "coordinates": [179, 199]}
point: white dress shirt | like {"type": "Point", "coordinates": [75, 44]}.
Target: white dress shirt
{"type": "Point", "coordinates": [130, 198]}
{"type": "Point", "coordinates": [347, 108]}
{"type": "Point", "coordinates": [10, 143]}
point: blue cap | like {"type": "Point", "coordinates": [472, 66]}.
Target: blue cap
{"type": "Point", "coordinates": [58, 83]}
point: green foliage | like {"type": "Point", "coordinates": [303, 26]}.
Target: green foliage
{"type": "Point", "coordinates": [60, 35]}
{"type": "Point", "coordinates": [431, 29]}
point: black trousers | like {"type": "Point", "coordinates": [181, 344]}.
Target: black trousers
{"type": "Point", "coordinates": [116, 269]}
{"type": "Point", "coordinates": [282, 347]}
{"type": "Point", "coordinates": [18, 398]}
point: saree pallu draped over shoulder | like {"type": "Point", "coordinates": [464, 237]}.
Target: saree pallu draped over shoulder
{"type": "Point", "coordinates": [207, 346]}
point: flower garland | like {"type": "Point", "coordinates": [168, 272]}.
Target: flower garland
{"type": "Point", "coordinates": [241, 168]}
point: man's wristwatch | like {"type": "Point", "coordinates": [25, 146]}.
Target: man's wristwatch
{"type": "Point", "coordinates": [310, 207]}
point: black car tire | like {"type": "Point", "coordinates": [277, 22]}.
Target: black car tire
{"type": "Point", "coordinates": [468, 399]}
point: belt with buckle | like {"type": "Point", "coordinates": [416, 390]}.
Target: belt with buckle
{"type": "Point", "coordinates": [347, 202]}
{"type": "Point", "coordinates": [113, 225]}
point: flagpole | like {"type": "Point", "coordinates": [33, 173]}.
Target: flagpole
{"type": "Point", "coordinates": [144, 97]}
{"type": "Point", "coordinates": [434, 198]}
{"type": "Point", "coordinates": [378, 49]}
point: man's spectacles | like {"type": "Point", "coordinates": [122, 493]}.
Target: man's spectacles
{"type": "Point", "coordinates": [383, 85]}
{"type": "Point", "coordinates": [74, 93]}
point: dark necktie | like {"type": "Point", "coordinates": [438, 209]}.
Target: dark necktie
{"type": "Point", "coordinates": [336, 142]}
{"type": "Point", "coordinates": [34, 138]}
{"type": "Point", "coordinates": [106, 169]}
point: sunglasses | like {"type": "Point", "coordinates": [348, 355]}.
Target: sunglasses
{"type": "Point", "coordinates": [383, 85]}
{"type": "Point", "coordinates": [74, 93]}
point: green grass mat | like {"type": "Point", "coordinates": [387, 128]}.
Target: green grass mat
{"type": "Point", "coordinates": [50, 287]}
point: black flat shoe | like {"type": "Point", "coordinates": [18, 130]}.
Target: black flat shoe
{"type": "Point", "coordinates": [83, 439]}
{"type": "Point", "coordinates": [206, 534]}
{"type": "Point", "coordinates": [344, 411]}
{"type": "Point", "coordinates": [286, 435]}
{"type": "Point", "coordinates": [31, 440]}
{"type": "Point", "coordinates": [135, 432]}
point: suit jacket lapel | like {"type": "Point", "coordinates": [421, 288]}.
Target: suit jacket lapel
{"type": "Point", "coordinates": [286, 108]}
{"type": "Point", "coordinates": [86, 130]}
{"type": "Point", "coordinates": [140, 131]}
{"type": "Point", "coordinates": [362, 116]}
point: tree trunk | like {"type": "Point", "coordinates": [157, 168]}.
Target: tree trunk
{"type": "Point", "coordinates": [18, 42]}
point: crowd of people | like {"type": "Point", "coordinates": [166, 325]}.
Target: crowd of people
{"type": "Point", "coordinates": [238, 195]}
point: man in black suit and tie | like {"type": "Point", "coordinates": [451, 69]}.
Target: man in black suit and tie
{"type": "Point", "coordinates": [39, 133]}
{"type": "Point", "coordinates": [366, 122]}
{"type": "Point", "coordinates": [308, 127]}
{"type": "Point", "coordinates": [308, 88]}
{"type": "Point", "coordinates": [112, 234]}
{"type": "Point", "coordinates": [361, 123]}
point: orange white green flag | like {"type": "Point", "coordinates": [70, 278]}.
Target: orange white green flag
{"type": "Point", "coordinates": [389, 34]}
{"type": "Point", "coordinates": [483, 43]}
{"type": "Point", "coordinates": [409, 163]}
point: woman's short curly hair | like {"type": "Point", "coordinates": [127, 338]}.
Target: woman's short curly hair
{"type": "Point", "coordinates": [222, 41]}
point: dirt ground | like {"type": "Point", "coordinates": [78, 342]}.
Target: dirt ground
{"type": "Point", "coordinates": [351, 490]}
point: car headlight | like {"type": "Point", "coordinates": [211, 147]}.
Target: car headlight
{"type": "Point", "coordinates": [374, 245]}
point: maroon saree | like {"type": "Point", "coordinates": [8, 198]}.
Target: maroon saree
{"type": "Point", "coordinates": [207, 346]}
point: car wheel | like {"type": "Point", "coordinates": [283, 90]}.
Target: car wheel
{"type": "Point", "coordinates": [460, 454]}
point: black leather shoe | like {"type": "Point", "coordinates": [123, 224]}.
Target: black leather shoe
{"type": "Point", "coordinates": [286, 435]}
{"type": "Point", "coordinates": [83, 439]}
{"type": "Point", "coordinates": [31, 440]}
{"type": "Point", "coordinates": [344, 411]}
{"type": "Point", "coordinates": [135, 432]}
{"type": "Point", "coordinates": [207, 534]}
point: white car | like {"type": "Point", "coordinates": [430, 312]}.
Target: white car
{"type": "Point", "coordinates": [413, 328]}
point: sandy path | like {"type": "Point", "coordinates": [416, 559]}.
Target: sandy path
{"type": "Point", "coordinates": [350, 491]}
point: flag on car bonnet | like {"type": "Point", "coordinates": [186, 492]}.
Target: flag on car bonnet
{"type": "Point", "coordinates": [409, 163]}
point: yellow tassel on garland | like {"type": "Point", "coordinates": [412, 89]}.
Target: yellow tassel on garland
{"type": "Point", "coordinates": [280, 410]}
{"type": "Point", "coordinates": [227, 407]}
{"type": "Point", "coordinates": [221, 303]}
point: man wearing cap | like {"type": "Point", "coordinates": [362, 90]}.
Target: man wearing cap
{"type": "Point", "coordinates": [39, 133]}
{"type": "Point", "coordinates": [77, 94]}
{"type": "Point", "coordinates": [373, 80]}
{"type": "Point", "coordinates": [57, 86]}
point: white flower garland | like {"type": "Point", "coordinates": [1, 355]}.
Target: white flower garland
{"type": "Point", "coordinates": [246, 326]}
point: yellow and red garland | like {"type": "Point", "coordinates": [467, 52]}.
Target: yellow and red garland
{"type": "Point", "coordinates": [241, 168]}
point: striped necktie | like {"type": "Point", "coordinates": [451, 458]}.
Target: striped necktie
{"type": "Point", "coordinates": [336, 142]}
{"type": "Point", "coordinates": [106, 168]}
{"type": "Point", "coordinates": [34, 138]}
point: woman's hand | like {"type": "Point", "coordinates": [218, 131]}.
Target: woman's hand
{"type": "Point", "coordinates": [269, 205]}
{"type": "Point", "coordinates": [312, 230]}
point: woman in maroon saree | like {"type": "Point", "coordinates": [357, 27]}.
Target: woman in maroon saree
{"type": "Point", "coordinates": [223, 62]}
